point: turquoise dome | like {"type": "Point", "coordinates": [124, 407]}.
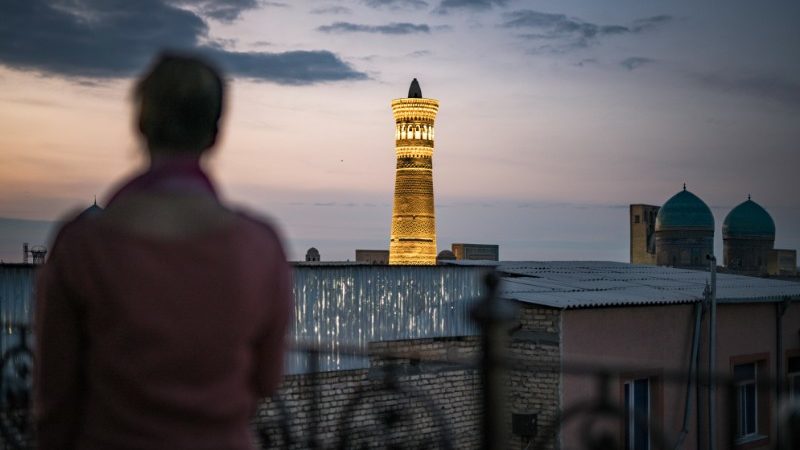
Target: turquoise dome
{"type": "Point", "coordinates": [684, 211]}
{"type": "Point", "coordinates": [748, 219]}
{"type": "Point", "coordinates": [91, 211]}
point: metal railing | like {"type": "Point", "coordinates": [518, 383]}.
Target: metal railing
{"type": "Point", "coordinates": [16, 376]}
{"type": "Point", "coordinates": [387, 408]}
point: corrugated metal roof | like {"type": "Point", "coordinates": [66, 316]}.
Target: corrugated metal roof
{"type": "Point", "coordinates": [588, 284]}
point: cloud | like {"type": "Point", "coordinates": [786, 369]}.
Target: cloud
{"type": "Point", "coordinates": [774, 88]}
{"type": "Point", "coordinates": [634, 62]}
{"type": "Point", "coordinates": [650, 22]}
{"type": "Point", "coordinates": [419, 54]}
{"type": "Point", "coordinates": [558, 33]}
{"type": "Point", "coordinates": [335, 9]}
{"type": "Point", "coordinates": [586, 62]}
{"type": "Point", "coordinates": [392, 28]}
{"type": "Point", "coordinates": [396, 4]}
{"type": "Point", "coordinates": [223, 10]}
{"type": "Point", "coordinates": [116, 38]}
{"type": "Point", "coordinates": [294, 68]}
{"type": "Point", "coordinates": [475, 5]}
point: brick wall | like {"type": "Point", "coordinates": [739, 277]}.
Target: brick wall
{"type": "Point", "coordinates": [427, 398]}
{"type": "Point", "coordinates": [532, 390]}
{"type": "Point", "coordinates": [427, 392]}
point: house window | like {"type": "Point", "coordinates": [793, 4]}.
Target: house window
{"type": "Point", "coordinates": [752, 400]}
{"type": "Point", "coordinates": [636, 219]}
{"type": "Point", "coordinates": [746, 401]}
{"type": "Point", "coordinates": [637, 414]}
{"type": "Point", "coordinates": [793, 378]}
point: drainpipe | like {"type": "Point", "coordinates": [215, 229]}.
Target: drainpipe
{"type": "Point", "coordinates": [698, 381]}
{"type": "Point", "coordinates": [698, 315]}
{"type": "Point", "coordinates": [712, 358]}
{"type": "Point", "coordinates": [780, 310]}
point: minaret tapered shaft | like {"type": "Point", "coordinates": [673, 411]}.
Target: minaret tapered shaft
{"type": "Point", "coordinates": [413, 239]}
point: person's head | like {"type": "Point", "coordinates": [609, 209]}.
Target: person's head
{"type": "Point", "coordinates": [180, 103]}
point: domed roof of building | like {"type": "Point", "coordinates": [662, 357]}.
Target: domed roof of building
{"type": "Point", "coordinates": [684, 211]}
{"type": "Point", "coordinates": [748, 219]}
{"type": "Point", "coordinates": [446, 255]}
{"type": "Point", "coordinates": [414, 91]}
{"type": "Point", "coordinates": [92, 210]}
{"type": "Point", "coordinates": [312, 251]}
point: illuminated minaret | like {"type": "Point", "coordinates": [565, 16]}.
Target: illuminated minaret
{"type": "Point", "coordinates": [413, 239]}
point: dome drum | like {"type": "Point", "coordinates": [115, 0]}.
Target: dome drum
{"type": "Point", "coordinates": [747, 255]}
{"type": "Point", "coordinates": [684, 248]}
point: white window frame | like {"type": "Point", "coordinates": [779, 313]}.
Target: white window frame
{"type": "Point", "coordinates": [741, 396]}
{"type": "Point", "coordinates": [792, 378]}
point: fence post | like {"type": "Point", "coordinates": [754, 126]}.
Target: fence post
{"type": "Point", "coordinates": [493, 316]}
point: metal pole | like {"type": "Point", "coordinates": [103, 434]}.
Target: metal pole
{"type": "Point", "coordinates": [316, 398]}
{"type": "Point", "coordinates": [493, 316]}
{"type": "Point", "coordinates": [780, 310]}
{"type": "Point", "coordinates": [712, 358]}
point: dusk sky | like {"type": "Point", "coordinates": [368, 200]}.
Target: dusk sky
{"type": "Point", "coordinates": [554, 115]}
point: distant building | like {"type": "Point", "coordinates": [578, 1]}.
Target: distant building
{"type": "Point", "coordinates": [445, 255]}
{"type": "Point", "coordinates": [486, 252]}
{"type": "Point", "coordinates": [681, 234]}
{"type": "Point", "coordinates": [372, 256]}
{"type": "Point", "coordinates": [782, 263]}
{"type": "Point", "coordinates": [643, 234]}
{"type": "Point", "coordinates": [413, 235]}
{"type": "Point", "coordinates": [312, 255]}
{"type": "Point", "coordinates": [748, 236]}
{"type": "Point", "coordinates": [684, 232]}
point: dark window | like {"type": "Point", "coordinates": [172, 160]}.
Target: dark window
{"type": "Point", "coordinates": [637, 414]}
{"type": "Point", "coordinates": [793, 377]}
{"type": "Point", "coordinates": [636, 219]}
{"type": "Point", "coordinates": [746, 400]}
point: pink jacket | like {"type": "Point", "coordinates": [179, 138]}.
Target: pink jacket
{"type": "Point", "coordinates": [148, 343]}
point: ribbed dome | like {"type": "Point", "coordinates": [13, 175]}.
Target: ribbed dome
{"type": "Point", "coordinates": [748, 219]}
{"type": "Point", "coordinates": [684, 211]}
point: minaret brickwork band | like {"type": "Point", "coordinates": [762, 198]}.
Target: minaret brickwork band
{"type": "Point", "coordinates": [413, 238]}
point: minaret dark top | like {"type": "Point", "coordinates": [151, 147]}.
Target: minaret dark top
{"type": "Point", "coordinates": [414, 91]}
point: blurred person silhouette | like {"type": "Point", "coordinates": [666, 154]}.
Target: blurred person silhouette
{"type": "Point", "coordinates": [161, 320]}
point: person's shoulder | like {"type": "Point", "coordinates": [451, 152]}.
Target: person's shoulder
{"type": "Point", "coordinates": [73, 226]}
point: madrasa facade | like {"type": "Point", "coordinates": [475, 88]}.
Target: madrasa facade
{"type": "Point", "coordinates": [680, 233]}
